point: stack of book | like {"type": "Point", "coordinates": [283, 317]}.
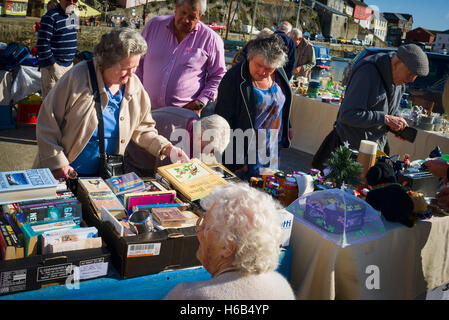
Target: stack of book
{"type": "Point", "coordinates": [26, 185]}
{"type": "Point", "coordinates": [30, 219]}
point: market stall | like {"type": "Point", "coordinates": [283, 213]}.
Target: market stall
{"type": "Point", "coordinates": [312, 120]}
{"type": "Point", "coordinates": [409, 262]}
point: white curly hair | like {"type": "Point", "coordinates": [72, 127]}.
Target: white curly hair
{"type": "Point", "coordinates": [249, 218]}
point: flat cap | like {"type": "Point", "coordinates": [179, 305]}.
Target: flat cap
{"type": "Point", "coordinates": [414, 58]}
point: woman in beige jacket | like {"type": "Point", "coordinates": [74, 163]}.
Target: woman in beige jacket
{"type": "Point", "coordinates": [67, 122]}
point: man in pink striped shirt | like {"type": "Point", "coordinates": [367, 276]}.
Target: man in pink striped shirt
{"type": "Point", "coordinates": [185, 60]}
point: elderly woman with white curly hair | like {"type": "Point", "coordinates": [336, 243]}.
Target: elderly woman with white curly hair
{"type": "Point", "coordinates": [240, 237]}
{"type": "Point", "coordinates": [68, 135]}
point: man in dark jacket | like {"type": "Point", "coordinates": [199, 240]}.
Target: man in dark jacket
{"type": "Point", "coordinates": [283, 31]}
{"type": "Point", "coordinates": [255, 97]}
{"type": "Point", "coordinates": [372, 98]}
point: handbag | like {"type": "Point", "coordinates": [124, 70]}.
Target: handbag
{"type": "Point", "coordinates": [110, 164]}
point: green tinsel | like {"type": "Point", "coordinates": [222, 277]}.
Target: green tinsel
{"type": "Point", "coordinates": [343, 168]}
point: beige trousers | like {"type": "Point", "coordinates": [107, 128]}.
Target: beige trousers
{"type": "Point", "coordinates": [50, 75]}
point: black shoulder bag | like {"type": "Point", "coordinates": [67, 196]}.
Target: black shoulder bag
{"type": "Point", "coordinates": [110, 164]}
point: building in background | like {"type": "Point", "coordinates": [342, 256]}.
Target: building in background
{"type": "Point", "coordinates": [362, 13]}
{"type": "Point", "coordinates": [398, 26]}
{"type": "Point", "coordinates": [133, 3]}
{"type": "Point", "coordinates": [14, 7]}
{"type": "Point", "coordinates": [378, 24]}
{"type": "Point", "coordinates": [421, 35]}
{"type": "Point", "coordinates": [441, 44]}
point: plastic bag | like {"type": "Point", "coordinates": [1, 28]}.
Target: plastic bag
{"type": "Point", "coordinates": [338, 216]}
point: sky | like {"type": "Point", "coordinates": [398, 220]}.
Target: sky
{"type": "Point", "coordinates": [429, 14]}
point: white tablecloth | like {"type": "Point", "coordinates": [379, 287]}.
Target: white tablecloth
{"type": "Point", "coordinates": [409, 262]}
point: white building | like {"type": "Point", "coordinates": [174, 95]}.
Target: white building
{"type": "Point", "coordinates": [379, 25]}
{"type": "Point", "coordinates": [441, 44]}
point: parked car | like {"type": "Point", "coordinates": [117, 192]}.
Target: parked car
{"type": "Point", "coordinates": [356, 42]}
{"type": "Point", "coordinates": [216, 27]}
{"type": "Point", "coordinates": [246, 28]}
{"type": "Point", "coordinates": [317, 37]}
{"type": "Point", "coordinates": [341, 40]}
{"type": "Point", "coordinates": [430, 87]}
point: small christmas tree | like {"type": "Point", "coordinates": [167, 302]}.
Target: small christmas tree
{"type": "Point", "coordinates": [343, 168]}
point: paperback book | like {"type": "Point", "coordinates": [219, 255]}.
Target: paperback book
{"type": "Point", "coordinates": [129, 182]}
{"type": "Point", "coordinates": [151, 197]}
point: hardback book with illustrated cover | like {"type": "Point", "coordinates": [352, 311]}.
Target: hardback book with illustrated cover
{"type": "Point", "coordinates": [26, 185]}
{"type": "Point", "coordinates": [193, 179]}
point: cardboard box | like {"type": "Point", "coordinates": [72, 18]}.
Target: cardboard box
{"type": "Point", "coordinates": [32, 273]}
{"type": "Point", "coordinates": [145, 254]}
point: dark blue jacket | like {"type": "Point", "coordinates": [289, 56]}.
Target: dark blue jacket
{"type": "Point", "coordinates": [236, 102]}
{"type": "Point", "coordinates": [290, 44]}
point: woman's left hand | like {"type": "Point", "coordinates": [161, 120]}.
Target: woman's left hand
{"type": "Point", "coordinates": [176, 154]}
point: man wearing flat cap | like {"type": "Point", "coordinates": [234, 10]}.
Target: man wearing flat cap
{"type": "Point", "coordinates": [372, 98]}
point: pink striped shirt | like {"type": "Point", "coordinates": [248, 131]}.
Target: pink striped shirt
{"type": "Point", "coordinates": [175, 73]}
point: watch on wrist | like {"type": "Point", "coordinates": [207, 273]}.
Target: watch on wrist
{"type": "Point", "coordinates": [199, 105]}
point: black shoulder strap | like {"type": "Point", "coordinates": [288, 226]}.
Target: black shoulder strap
{"type": "Point", "coordinates": [93, 81]}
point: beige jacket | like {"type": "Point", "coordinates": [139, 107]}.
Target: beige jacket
{"type": "Point", "coordinates": [67, 119]}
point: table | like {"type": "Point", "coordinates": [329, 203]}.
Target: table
{"type": "Point", "coordinates": [407, 262]}
{"type": "Point", "coordinates": [149, 287]}
{"type": "Point", "coordinates": [312, 120]}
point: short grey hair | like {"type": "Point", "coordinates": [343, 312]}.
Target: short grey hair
{"type": "Point", "coordinates": [221, 131]}
{"type": "Point", "coordinates": [271, 49]}
{"type": "Point", "coordinates": [117, 45]}
{"type": "Point", "coordinates": [249, 218]}
{"type": "Point", "coordinates": [296, 34]}
{"type": "Point", "coordinates": [285, 26]}
{"type": "Point", "coordinates": [202, 4]}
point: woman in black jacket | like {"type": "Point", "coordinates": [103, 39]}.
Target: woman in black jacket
{"type": "Point", "coordinates": [255, 97]}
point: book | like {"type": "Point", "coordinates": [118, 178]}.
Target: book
{"type": "Point", "coordinates": [9, 244]}
{"type": "Point", "coordinates": [16, 241]}
{"type": "Point", "coordinates": [193, 179]}
{"type": "Point", "coordinates": [63, 235]}
{"type": "Point", "coordinates": [153, 185]}
{"type": "Point", "coordinates": [150, 197]}
{"type": "Point", "coordinates": [45, 227]}
{"type": "Point", "coordinates": [27, 184]}
{"type": "Point", "coordinates": [119, 227]}
{"type": "Point", "coordinates": [75, 245]}
{"type": "Point", "coordinates": [31, 237]}
{"type": "Point", "coordinates": [168, 217]}
{"type": "Point", "coordinates": [93, 185]}
{"type": "Point", "coordinates": [224, 172]}
{"type": "Point", "coordinates": [129, 182]}
{"type": "Point", "coordinates": [191, 219]}
{"type": "Point", "coordinates": [49, 211]}
{"type": "Point", "coordinates": [109, 201]}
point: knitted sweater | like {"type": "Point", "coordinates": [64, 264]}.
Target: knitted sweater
{"type": "Point", "coordinates": [56, 39]}
{"type": "Point", "coordinates": [235, 286]}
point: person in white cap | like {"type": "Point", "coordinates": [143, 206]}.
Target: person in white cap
{"type": "Point", "coordinates": [371, 103]}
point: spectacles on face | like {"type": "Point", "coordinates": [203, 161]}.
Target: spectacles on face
{"type": "Point", "coordinates": [199, 224]}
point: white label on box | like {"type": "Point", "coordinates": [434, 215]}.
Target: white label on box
{"type": "Point", "coordinates": [93, 270]}
{"type": "Point", "coordinates": [287, 223]}
{"type": "Point", "coordinates": [11, 281]}
{"type": "Point", "coordinates": [143, 249]}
